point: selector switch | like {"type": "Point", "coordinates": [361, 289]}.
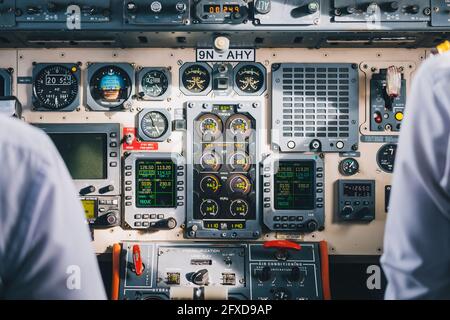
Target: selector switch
{"type": "Point", "coordinates": [263, 275]}
{"type": "Point", "coordinates": [391, 6]}
{"type": "Point", "coordinates": [200, 278]}
{"type": "Point", "coordinates": [412, 9]}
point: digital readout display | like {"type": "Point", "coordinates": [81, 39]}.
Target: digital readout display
{"type": "Point", "coordinates": [218, 9]}
{"type": "Point", "coordinates": [294, 185]}
{"type": "Point", "coordinates": [155, 183]}
{"type": "Point", "coordinates": [357, 189]}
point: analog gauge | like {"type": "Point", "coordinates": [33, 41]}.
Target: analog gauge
{"type": "Point", "coordinates": [240, 184]}
{"type": "Point", "coordinates": [239, 208]}
{"type": "Point", "coordinates": [210, 161]}
{"type": "Point", "coordinates": [386, 157]}
{"type": "Point", "coordinates": [348, 167]}
{"type": "Point", "coordinates": [209, 126]}
{"type": "Point", "coordinates": [110, 86]}
{"type": "Point", "coordinates": [55, 87]}
{"type": "Point", "coordinates": [210, 184]}
{"type": "Point", "coordinates": [249, 79]}
{"type": "Point", "coordinates": [209, 207]}
{"type": "Point", "coordinates": [239, 161]}
{"type": "Point", "coordinates": [154, 83]}
{"type": "Point", "coordinates": [239, 125]}
{"type": "Point", "coordinates": [196, 78]}
{"type": "Point", "coordinates": [154, 124]}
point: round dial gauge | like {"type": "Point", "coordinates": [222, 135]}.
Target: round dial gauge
{"type": "Point", "coordinates": [209, 207]}
{"type": "Point", "coordinates": [110, 86]}
{"type": "Point", "coordinates": [239, 161]}
{"type": "Point", "coordinates": [348, 167]}
{"type": "Point", "coordinates": [210, 161]}
{"type": "Point", "coordinates": [249, 79]}
{"type": "Point", "coordinates": [210, 184]}
{"type": "Point", "coordinates": [386, 157]}
{"type": "Point", "coordinates": [154, 124]}
{"type": "Point", "coordinates": [154, 83]}
{"type": "Point", "coordinates": [196, 78]}
{"type": "Point", "coordinates": [239, 125]}
{"type": "Point", "coordinates": [239, 208]}
{"type": "Point", "coordinates": [240, 184]}
{"type": "Point", "coordinates": [55, 87]}
{"type": "Point", "coordinates": [209, 126]}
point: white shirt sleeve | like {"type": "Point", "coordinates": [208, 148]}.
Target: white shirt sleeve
{"type": "Point", "coordinates": [45, 248]}
{"type": "Point", "coordinates": [416, 256]}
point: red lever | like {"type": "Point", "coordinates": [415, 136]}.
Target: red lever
{"type": "Point", "coordinates": [282, 244]}
{"type": "Point", "coordinates": [137, 260]}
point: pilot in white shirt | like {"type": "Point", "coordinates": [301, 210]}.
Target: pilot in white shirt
{"type": "Point", "coordinates": [45, 249]}
{"type": "Point", "coordinates": [416, 256]}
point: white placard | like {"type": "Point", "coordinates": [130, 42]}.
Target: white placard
{"type": "Point", "coordinates": [232, 55]}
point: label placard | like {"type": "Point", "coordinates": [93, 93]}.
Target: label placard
{"type": "Point", "coordinates": [232, 55]}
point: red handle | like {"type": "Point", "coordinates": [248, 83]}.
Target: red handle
{"type": "Point", "coordinates": [137, 260]}
{"type": "Point", "coordinates": [282, 244]}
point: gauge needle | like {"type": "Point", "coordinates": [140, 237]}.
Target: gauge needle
{"type": "Point", "coordinates": [154, 126]}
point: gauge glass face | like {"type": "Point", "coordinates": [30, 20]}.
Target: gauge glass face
{"type": "Point", "coordinates": [196, 78]}
{"type": "Point", "coordinates": [210, 161]}
{"type": "Point", "coordinates": [239, 125]}
{"type": "Point", "coordinates": [386, 157]}
{"type": "Point", "coordinates": [154, 83]}
{"type": "Point", "coordinates": [240, 184]}
{"type": "Point", "coordinates": [111, 86]}
{"type": "Point", "coordinates": [209, 208]}
{"type": "Point", "coordinates": [249, 79]}
{"type": "Point", "coordinates": [154, 124]}
{"type": "Point", "coordinates": [210, 184]}
{"type": "Point", "coordinates": [209, 126]}
{"type": "Point", "coordinates": [239, 161]}
{"type": "Point", "coordinates": [349, 167]}
{"type": "Point", "coordinates": [239, 208]}
{"type": "Point", "coordinates": [55, 87]}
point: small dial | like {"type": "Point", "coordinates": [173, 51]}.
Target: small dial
{"type": "Point", "coordinates": [386, 157]}
{"type": "Point", "coordinates": [239, 208]}
{"type": "Point", "coordinates": [55, 87]}
{"type": "Point", "coordinates": [154, 124]}
{"type": "Point", "coordinates": [239, 125]}
{"type": "Point", "coordinates": [348, 167]}
{"type": "Point", "coordinates": [209, 207]}
{"type": "Point", "coordinates": [196, 78]}
{"type": "Point", "coordinates": [110, 86]}
{"type": "Point", "coordinates": [209, 126]}
{"type": "Point", "coordinates": [154, 83]}
{"type": "Point", "coordinates": [210, 161]}
{"type": "Point", "coordinates": [210, 184]}
{"type": "Point", "coordinates": [249, 79]}
{"type": "Point", "coordinates": [240, 184]}
{"type": "Point", "coordinates": [239, 161]}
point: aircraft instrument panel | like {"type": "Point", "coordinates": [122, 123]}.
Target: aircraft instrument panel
{"type": "Point", "coordinates": [226, 148]}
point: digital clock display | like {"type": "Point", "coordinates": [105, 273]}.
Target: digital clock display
{"type": "Point", "coordinates": [218, 9]}
{"type": "Point", "coordinates": [155, 183]}
{"type": "Point", "coordinates": [58, 80]}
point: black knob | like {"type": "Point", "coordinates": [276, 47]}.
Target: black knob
{"type": "Point", "coordinates": [347, 211]}
{"type": "Point", "coordinates": [390, 6]}
{"type": "Point", "coordinates": [32, 10]}
{"type": "Point", "coordinates": [413, 9]}
{"type": "Point", "coordinates": [309, 8]}
{"type": "Point", "coordinates": [87, 190]}
{"type": "Point", "coordinates": [106, 189]}
{"type": "Point", "coordinates": [164, 224]}
{"type": "Point", "coordinates": [131, 7]}
{"type": "Point", "coordinates": [111, 218]}
{"type": "Point", "coordinates": [315, 145]}
{"type": "Point", "coordinates": [312, 225]}
{"type": "Point", "coordinates": [295, 274]}
{"type": "Point", "coordinates": [180, 7]}
{"type": "Point", "coordinates": [264, 274]}
{"type": "Point", "coordinates": [200, 278]}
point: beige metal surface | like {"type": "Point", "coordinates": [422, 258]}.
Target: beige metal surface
{"type": "Point", "coordinates": [358, 239]}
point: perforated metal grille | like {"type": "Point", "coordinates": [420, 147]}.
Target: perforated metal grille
{"type": "Point", "coordinates": [315, 101]}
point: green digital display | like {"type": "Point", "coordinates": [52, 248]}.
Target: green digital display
{"type": "Point", "coordinates": [224, 225]}
{"type": "Point", "coordinates": [294, 185]}
{"type": "Point", "coordinates": [155, 183]}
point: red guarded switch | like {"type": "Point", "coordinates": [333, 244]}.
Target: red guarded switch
{"type": "Point", "coordinates": [137, 260]}
{"type": "Point", "coordinates": [282, 244]}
